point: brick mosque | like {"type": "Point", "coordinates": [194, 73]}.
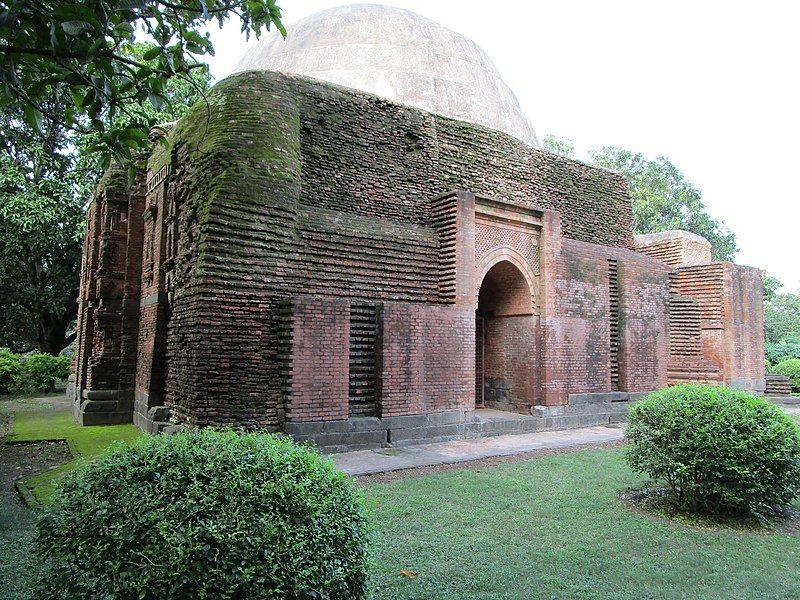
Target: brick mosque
{"type": "Point", "coordinates": [358, 241]}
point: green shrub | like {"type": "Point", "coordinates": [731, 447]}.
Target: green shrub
{"type": "Point", "coordinates": [785, 349]}
{"type": "Point", "coordinates": [205, 514]}
{"type": "Point", "coordinates": [10, 369]}
{"type": "Point", "coordinates": [719, 450]}
{"type": "Point", "coordinates": [40, 372]}
{"type": "Point", "coordinates": [790, 368]}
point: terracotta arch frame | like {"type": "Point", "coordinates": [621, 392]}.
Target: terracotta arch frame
{"type": "Point", "coordinates": [507, 253]}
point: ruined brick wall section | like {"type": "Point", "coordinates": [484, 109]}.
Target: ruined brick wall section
{"type": "Point", "coordinates": [425, 359]}
{"type": "Point", "coordinates": [644, 323]}
{"type": "Point", "coordinates": [444, 218]}
{"type": "Point", "coordinates": [320, 344]}
{"type": "Point", "coordinates": [87, 296]}
{"type": "Point", "coordinates": [236, 183]}
{"type": "Point", "coordinates": [743, 364]}
{"type": "Point", "coordinates": [130, 303]}
{"type": "Point", "coordinates": [731, 314]}
{"type": "Point", "coordinates": [703, 286]}
{"type": "Point", "coordinates": [108, 281]}
{"type": "Point", "coordinates": [363, 154]}
{"type": "Point", "coordinates": [675, 248]}
{"type": "Point", "coordinates": [576, 329]}
{"type": "Point", "coordinates": [103, 366]}
{"type": "Point", "coordinates": [363, 257]}
{"type": "Point", "coordinates": [153, 302]}
{"type": "Point", "coordinates": [226, 345]}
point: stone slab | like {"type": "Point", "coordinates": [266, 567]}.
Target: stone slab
{"type": "Point", "coordinates": [366, 462]}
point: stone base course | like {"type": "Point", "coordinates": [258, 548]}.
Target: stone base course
{"type": "Point", "coordinates": [583, 410]}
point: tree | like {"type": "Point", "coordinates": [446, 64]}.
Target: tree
{"type": "Point", "coordinates": [663, 199]}
{"type": "Point", "coordinates": [41, 227]}
{"type": "Point", "coordinates": [77, 56]}
{"type": "Point", "coordinates": [782, 317]}
{"type": "Point", "coordinates": [560, 146]}
{"type": "Point", "coordinates": [771, 286]}
{"type": "Point", "coordinates": [46, 181]}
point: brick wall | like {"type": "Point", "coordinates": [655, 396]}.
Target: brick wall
{"type": "Point", "coordinates": [106, 324]}
{"type": "Point", "coordinates": [510, 362]}
{"type": "Point", "coordinates": [365, 155]}
{"type": "Point", "coordinates": [295, 187]}
{"type": "Point", "coordinates": [576, 329]}
{"type": "Point", "coordinates": [320, 360]}
{"type": "Point", "coordinates": [744, 312]}
{"type": "Point", "coordinates": [426, 359]}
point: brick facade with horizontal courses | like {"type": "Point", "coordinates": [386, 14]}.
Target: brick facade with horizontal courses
{"type": "Point", "coordinates": [264, 222]}
{"type": "Point", "coordinates": [576, 335]}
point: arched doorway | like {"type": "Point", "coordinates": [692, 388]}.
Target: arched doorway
{"type": "Point", "coordinates": [505, 340]}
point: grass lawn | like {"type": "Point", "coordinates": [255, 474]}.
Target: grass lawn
{"type": "Point", "coordinates": [50, 418]}
{"type": "Point", "coordinates": [554, 528]}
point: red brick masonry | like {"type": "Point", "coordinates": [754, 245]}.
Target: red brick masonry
{"type": "Point", "coordinates": [299, 259]}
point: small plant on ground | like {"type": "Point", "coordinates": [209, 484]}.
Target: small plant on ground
{"type": "Point", "coordinates": [790, 368]}
{"type": "Point", "coordinates": [10, 369]}
{"type": "Point", "coordinates": [720, 451]}
{"type": "Point", "coordinates": [205, 514]}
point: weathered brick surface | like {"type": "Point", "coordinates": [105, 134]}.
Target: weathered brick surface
{"type": "Point", "coordinates": [367, 155]}
{"type": "Point", "coordinates": [575, 330]}
{"type": "Point", "coordinates": [106, 327]}
{"type": "Point", "coordinates": [320, 360]}
{"type": "Point", "coordinates": [426, 359]}
{"type": "Point", "coordinates": [510, 358]}
{"type": "Point", "coordinates": [743, 342]}
{"type": "Point", "coordinates": [293, 201]}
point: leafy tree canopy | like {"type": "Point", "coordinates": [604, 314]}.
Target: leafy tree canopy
{"type": "Point", "coordinates": [771, 286]}
{"type": "Point", "coordinates": [46, 179]}
{"type": "Point", "coordinates": [561, 146]}
{"type": "Point", "coordinates": [662, 198]}
{"type": "Point", "coordinates": [79, 56]}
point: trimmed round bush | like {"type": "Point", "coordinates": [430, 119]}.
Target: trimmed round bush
{"type": "Point", "coordinates": [718, 449]}
{"type": "Point", "coordinates": [790, 368]}
{"type": "Point", "coordinates": [205, 514]}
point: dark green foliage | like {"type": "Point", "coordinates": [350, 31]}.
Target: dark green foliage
{"type": "Point", "coordinates": [77, 56]}
{"type": "Point", "coordinates": [782, 318]}
{"type": "Point", "coordinates": [40, 372]}
{"type": "Point", "coordinates": [46, 180]}
{"type": "Point", "coordinates": [31, 372]}
{"type": "Point", "coordinates": [205, 514]}
{"type": "Point", "coordinates": [787, 349]}
{"type": "Point", "coordinates": [790, 368]}
{"type": "Point", "coordinates": [10, 368]}
{"type": "Point", "coordinates": [719, 450]}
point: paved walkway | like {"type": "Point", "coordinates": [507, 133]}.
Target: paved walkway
{"type": "Point", "coordinates": [368, 462]}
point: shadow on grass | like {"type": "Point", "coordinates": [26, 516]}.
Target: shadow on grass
{"type": "Point", "coordinates": [660, 503]}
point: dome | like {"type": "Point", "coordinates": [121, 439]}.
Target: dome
{"type": "Point", "coordinates": [399, 55]}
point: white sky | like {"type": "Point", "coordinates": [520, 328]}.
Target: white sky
{"type": "Point", "coordinates": [712, 85]}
